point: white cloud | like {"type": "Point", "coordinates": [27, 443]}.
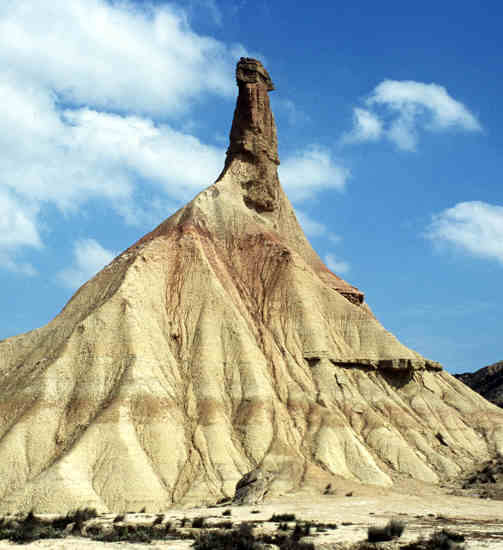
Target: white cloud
{"type": "Point", "coordinates": [340, 267]}
{"type": "Point", "coordinates": [17, 222]}
{"type": "Point", "coordinates": [178, 162]}
{"type": "Point", "coordinates": [403, 132]}
{"type": "Point", "coordinates": [69, 157]}
{"type": "Point", "coordinates": [409, 95]}
{"type": "Point", "coordinates": [308, 172]}
{"type": "Point", "coordinates": [474, 227]}
{"type": "Point", "coordinates": [366, 127]}
{"type": "Point", "coordinates": [311, 227]}
{"type": "Point", "coordinates": [89, 258]}
{"type": "Point", "coordinates": [397, 110]}
{"type": "Point", "coordinates": [63, 144]}
{"type": "Point", "coordinates": [18, 228]}
{"type": "Point", "coordinates": [114, 56]}
{"type": "Point", "coordinates": [314, 228]}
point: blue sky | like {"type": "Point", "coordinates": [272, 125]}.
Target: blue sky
{"type": "Point", "coordinates": [389, 120]}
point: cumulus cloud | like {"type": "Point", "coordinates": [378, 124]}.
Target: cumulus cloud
{"type": "Point", "coordinates": [398, 110]}
{"type": "Point", "coordinates": [408, 94]}
{"type": "Point", "coordinates": [114, 56]}
{"type": "Point", "coordinates": [340, 267]}
{"type": "Point", "coordinates": [366, 127]}
{"type": "Point", "coordinates": [70, 156]}
{"type": "Point", "coordinates": [78, 107]}
{"type": "Point", "coordinates": [307, 172]}
{"type": "Point", "coordinates": [474, 227]}
{"type": "Point", "coordinates": [89, 257]}
{"type": "Point", "coordinates": [18, 228]}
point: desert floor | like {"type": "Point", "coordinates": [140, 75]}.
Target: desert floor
{"type": "Point", "coordinates": [480, 520]}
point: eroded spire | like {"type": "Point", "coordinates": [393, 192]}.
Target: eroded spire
{"type": "Point", "coordinates": [253, 129]}
{"type": "Point", "coordinates": [253, 139]}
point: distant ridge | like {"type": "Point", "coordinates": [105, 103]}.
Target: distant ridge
{"type": "Point", "coordinates": [220, 351]}
{"type": "Point", "coordinates": [488, 381]}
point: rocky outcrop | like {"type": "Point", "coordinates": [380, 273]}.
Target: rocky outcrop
{"type": "Point", "coordinates": [217, 345]}
{"type": "Point", "coordinates": [253, 487]}
{"type": "Point", "coordinates": [253, 137]}
{"type": "Point", "coordinates": [253, 159]}
{"type": "Point", "coordinates": [488, 381]}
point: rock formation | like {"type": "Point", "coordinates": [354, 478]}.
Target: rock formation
{"type": "Point", "coordinates": [488, 381]}
{"type": "Point", "coordinates": [220, 346]}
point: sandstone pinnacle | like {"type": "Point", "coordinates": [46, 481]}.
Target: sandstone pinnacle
{"type": "Point", "coordinates": [253, 135]}
{"type": "Point", "coordinates": [219, 357]}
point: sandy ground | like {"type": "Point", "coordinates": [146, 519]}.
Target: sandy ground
{"type": "Point", "coordinates": [481, 520]}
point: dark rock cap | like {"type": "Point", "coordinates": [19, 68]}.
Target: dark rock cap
{"type": "Point", "coordinates": [252, 71]}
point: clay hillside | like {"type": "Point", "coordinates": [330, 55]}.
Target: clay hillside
{"type": "Point", "coordinates": [218, 345]}
{"type": "Point", "coordinates": [488, 381]}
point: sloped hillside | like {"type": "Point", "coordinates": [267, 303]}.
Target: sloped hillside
{"type": "Point", "coordinates": [217, 345]}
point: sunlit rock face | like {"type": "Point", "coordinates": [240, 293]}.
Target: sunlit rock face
{"type": "Point", "coordinates": [220, 345]}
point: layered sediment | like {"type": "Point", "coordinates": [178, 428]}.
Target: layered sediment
{"type": "Point", "coordinates": [220, 348]}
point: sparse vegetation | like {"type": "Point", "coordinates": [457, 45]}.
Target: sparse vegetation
{"type": "Point", "coordinates": [31, 527]}
{"type": "Point", "coordinates": [237, 539]}
{"type": "Point", "coordinates": [199, 522]}
{"type": "Point", "coordinates": [243, 538]}
{"type": "Point", "coordinates": [28, 529]}
{"type": "Point", "coordinates": [223, 535]}
{"type": "Point", "coordinates": [128, 533]}
{"type": "Point", "coordinates": [302, 530]}
{"type": "Point", "coordinates": [223, 525]}
{"type": "Point", "coordinates": [324, 526]}
{"type": "Point", "coordinates": [132, 533]}
{"type": "Point", "coordinates": [277, 518]}
{"type": "Point", "coordinates": [439, 540]}
{"type": "Point", "coordinates": [393, 529]}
